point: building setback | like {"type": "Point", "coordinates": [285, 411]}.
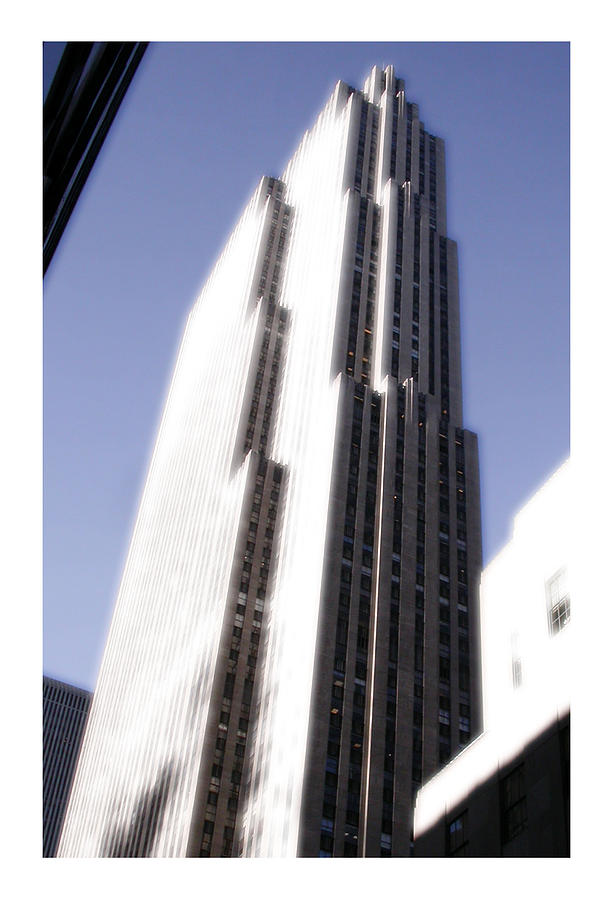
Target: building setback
{"type": "Point", "coordinates": [295, 642]}
{"type": "Point", "coordinates": [65, 711]}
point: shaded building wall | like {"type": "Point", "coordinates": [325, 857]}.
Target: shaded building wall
{"type": "Point", "coordinates": [527, 676]}
{"type": "Point", "coordinates": [65, 710]}
{"type": "Point", "coordinates": [522, 809]}
{"type": "Point", "coordinates": [397, 672]}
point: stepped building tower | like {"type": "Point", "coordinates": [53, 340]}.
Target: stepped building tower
{"type": "Point", "coordinates": [295, 644]}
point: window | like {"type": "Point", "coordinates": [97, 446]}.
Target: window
{"type": "Point", "coordinates": [326, 844]}
{"type": "Point", "coordinates": [516, 666]}
{"type": "Point", "coordinates": [443, 669]}
{"type": "Point", "coordinates": [558, 602]}
{"type": "Point", "coordinates": [513, 804]}
{"type": "Point", "coordinates": [327, 826]}
{"type": "Point", "coordinates": [515, 661]}
{"type": "Point", "coordinates": [457, 836]}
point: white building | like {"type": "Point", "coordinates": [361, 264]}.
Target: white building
{"type": "Point", "coordinates": [527, 673]}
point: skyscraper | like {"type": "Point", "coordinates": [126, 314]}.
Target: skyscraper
{"type": "Point", "coordinates": [295, 641]}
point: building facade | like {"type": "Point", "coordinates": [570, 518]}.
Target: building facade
{"type": "Point", "coordinates": [295, 644]}
{"type": "Point", "coordinates": [65, 709]}
{"type": "Point", "coordinates": [508, 792]}
{"type": "Point", "coordinates": [88, 87]}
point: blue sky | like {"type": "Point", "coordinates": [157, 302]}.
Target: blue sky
{"type": "Point", "coordinates": [199, 126]}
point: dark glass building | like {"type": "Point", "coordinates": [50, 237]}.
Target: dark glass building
{"type": "Point", "coordinates": [65, 710]}
{"type": "Point", "coordinates": [89, 84]}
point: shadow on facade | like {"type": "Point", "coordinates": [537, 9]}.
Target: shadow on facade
{"type": "Point", "coordinates": [522, 809]}
{"type": "Point", "coordinates": [138, 839]}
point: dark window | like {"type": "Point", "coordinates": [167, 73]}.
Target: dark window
{"type": "Point", "coordinates": [326, 842]}
{"type": "Point", "coordinates": [443, 669]}
{"type": "Point", "coordinates": [229, 685]}
{"type": "Point", "coordinates": [513, 804]}
{"type": "Point", "coordinates": [457, 836]}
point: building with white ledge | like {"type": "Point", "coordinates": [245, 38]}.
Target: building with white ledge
{"type": "Point", "coordinates": [507, 793]}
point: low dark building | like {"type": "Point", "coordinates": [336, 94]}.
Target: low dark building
{"type": "Point", "coordinates": [507, 793]}
{"type": "Point", "coordinates": [65, 710]}
{"type": "Point", "coordinates": [522, 809]}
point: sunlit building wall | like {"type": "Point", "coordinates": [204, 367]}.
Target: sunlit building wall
{"type": "Point", "coordinates": [298, 602]}
{"type": "Point", "coordinates": [522, 758]}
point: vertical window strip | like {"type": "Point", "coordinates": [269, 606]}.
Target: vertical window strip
{"type": "Point", "coordinates": [397, 285]}
{"type": "Point", "coordinates": [462, 587]}
{"type": "Point", "coordinates": [422, 159]}
{"type": "Point", "coordinates": [418, 674]}
{"type": "Point", "coordinates": [359, 163]}
{"type": "Point", "coordinates": [372, 158]}
{"type": "Point", "coordinates": [444, 573]}
{"type": "Point", "coordinates": [351, 366]}
{"type": "Point", "coordinates": [392, 172]}
{"type": "Point", "coordinates": [373, 258]}
{"type": "Point", "coordinates": [407, 171]}
{"type": "Point", "coordinates": [258, 428]}
{"type": "Point", "coordinates": [444, 327]}
{"type": "Point", "coordinates": [432, 181]}
{"type": "Point", "coordinates": [431, 341]}
{"type": "Point", "coordinates": [329, 810]}
{"type": "Point", "coordinates": [354, 784]}
{"type": "Point", "coordinates": [392, 685]}
{"type": "Point", "coordinates": [228, 761]}
{"type": "Point", "coordinates": [416, 277]}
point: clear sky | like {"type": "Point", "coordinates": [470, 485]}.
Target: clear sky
{"type": "Point", "coordinates": [198, 127]}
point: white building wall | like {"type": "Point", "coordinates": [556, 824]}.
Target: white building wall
{"type": "Point", "coordinates": [151, 700]}
{"type": "Point", "coordinates": [304, 442]}
{"type": "Point", "coordinates": [515, 625]}
{"type": "Point", "coordinates": [514, 611]}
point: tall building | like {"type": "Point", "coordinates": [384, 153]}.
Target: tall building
{"type": "Point", "coordinates": [89, 84]}
{"type": "Point", "coordinates": [295, 640]}
{"type": "Point", "coordinates": [65, 709]}
{"type": "Point", "coordinates": [508, 792]}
